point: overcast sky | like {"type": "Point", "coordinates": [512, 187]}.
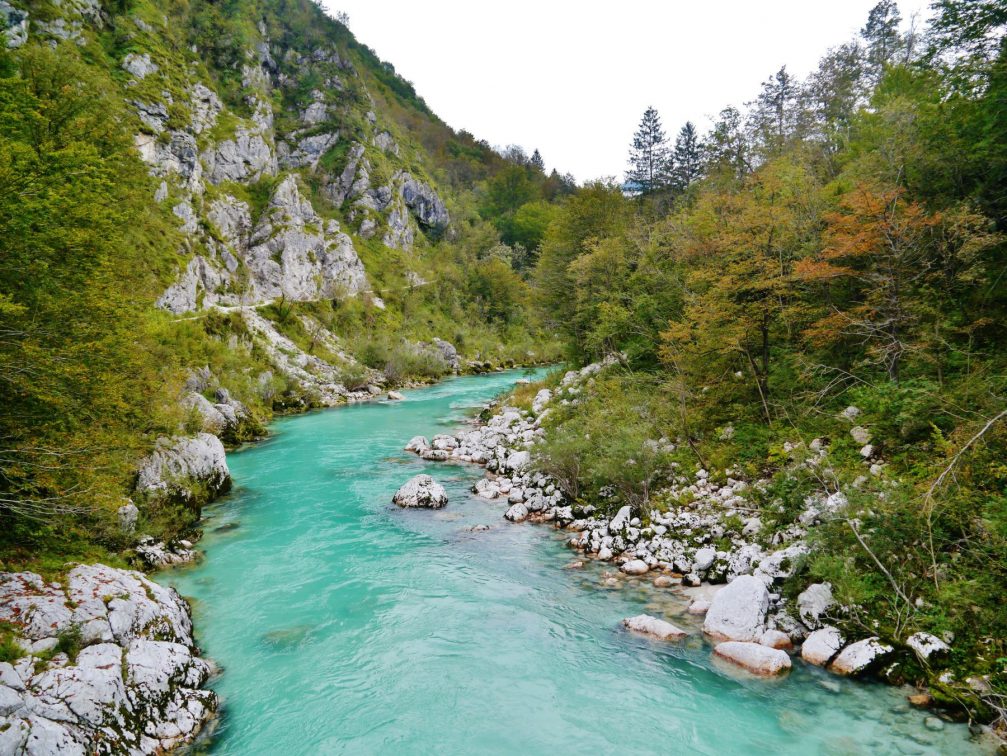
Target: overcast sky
{"type": "Point", "coordinates": [573, 78]}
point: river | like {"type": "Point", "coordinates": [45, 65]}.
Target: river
{"type": "Point", "coordinates": [343, 624]}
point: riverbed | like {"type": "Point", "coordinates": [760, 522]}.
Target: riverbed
{"type": "Point", "coordinates": [343, 624]}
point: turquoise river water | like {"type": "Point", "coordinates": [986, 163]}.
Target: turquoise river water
{"type": "Point", "coordinates": [343, 624]}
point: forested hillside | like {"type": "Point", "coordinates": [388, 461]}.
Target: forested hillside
{"type": "Point", "coordinates": [821, 276]}
{"type": "Point", "coordinates": [213, 212]}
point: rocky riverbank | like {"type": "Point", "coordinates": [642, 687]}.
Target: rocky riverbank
{"type": "Point", "coordinates": [107, 665]}
{"type": "Point", "coordinates": [707, 538]}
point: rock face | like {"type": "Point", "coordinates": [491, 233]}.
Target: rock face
{"type": "Point", "coordinates": [191, 470]}
{"type": "Point", "coordinates": [421, 491]}
{"type": "Point", "coordinates": [756, 658]}
{"type": "Point", "coordinates": [821, 646]}
{"type": "Point", "coordinates": [424, 203]}
{"type": "Point", "coordinates": [13, 25]}
{"type": "Point", "coordinates": [134, 686]}
{"type": "Point", "coordinates": [738, 611]}
{"type": "Point", "coordinates": [657, 628]}
{"type": "Point", "coordinates": [860, 657]}
{"type": "Point", "coordinates": [293, 253]}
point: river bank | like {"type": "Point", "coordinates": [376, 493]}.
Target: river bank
{"type": "Point", "coordinates": [699, 538]}
{"type": "Point", "coordinates": [383, 628]}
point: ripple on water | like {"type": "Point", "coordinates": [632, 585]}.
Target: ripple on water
{"type": "Point", "coordinates": [346, 625]}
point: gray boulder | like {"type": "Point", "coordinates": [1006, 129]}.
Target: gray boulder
{"type": "Point", "coordinates": [192, 470]}
{"type": "Point", "coordinates": [813, 602]}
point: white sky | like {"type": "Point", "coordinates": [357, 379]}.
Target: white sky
{"type": "Point", "coordinates": [573, 78]}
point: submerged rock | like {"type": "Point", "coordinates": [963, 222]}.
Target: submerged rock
{"type": "Point", "coordinates": [657, 628]}
{"type": "Point", "coordinates": [754, 657]}
{"type": "Point", "coordinates": [421, 491]}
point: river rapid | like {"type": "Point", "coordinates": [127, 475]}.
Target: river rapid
{"type": "Point", "coordinates": [343, 624]}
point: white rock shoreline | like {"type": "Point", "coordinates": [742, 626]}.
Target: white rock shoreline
{"type": "Point", "coordinates": [109, 665]}
{"type": "Point", "coordinates": [748, 622]}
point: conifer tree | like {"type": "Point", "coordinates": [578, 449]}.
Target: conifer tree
{"type": "Point", "coordinates": [537, 162]}
{"type": "Point", "coordinates": [881, 35]}
{"type": "Point", "coordinates": [687, 159]}
{"type": "Point", "coordinates": [649, 157]}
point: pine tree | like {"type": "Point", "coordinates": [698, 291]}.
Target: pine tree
{"type": "Point", "coordinates": [687, 159]}
{"type": "Point", "coordinates": [649, 157]}
{"type": "Point", "coordinates": [537, 162]}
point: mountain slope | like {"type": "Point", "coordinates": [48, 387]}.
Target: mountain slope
{"type": "Point", "coordinates": [217, 211]}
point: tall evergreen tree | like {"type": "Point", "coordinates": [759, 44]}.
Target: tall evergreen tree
{"type": "Point", "coordinates": [649, 156]}
{"type": "Point", "coordinates": [537, 162]}
{"type": "Point", "coordinates": [881, 35]}
{"type": "Point", "coordinates": [775, 114]}
{"type": "Point", "coordinates": [687, 160]}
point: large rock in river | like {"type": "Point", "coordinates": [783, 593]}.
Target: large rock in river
{"type": "Point", "coordinates": [738, 611]}
{"type": "Point", "coordinates": [421, 491]}
{"type": "Point", "coordinates": [756, 658]}
{"type": "Point", "coordinates": [657, 628]}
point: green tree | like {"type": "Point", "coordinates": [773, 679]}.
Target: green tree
{"type": "Point", "coordinates": [650, 162]}
{"type": "Point", "coordinates": [881, 35]}
{"type": "Point", "coordinates": [687, 159]}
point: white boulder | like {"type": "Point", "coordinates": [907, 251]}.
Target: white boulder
{"type": "Point", "coordinates": [860, 657]}
{"type": "Point", "coordinates": [421, 491]}
{"type": "Point", "coordinates": [821, 646]}
{"type": "Point", "coordinates": [635, 567]}
{"type": "Point", "coordinates": [927, 646]}
{"type": "Point", "coordinates": [657, 628]}
{"type": "Point", "coordinates": [738, 611]}
{"type": "Point", "coordinates": [754, 657]}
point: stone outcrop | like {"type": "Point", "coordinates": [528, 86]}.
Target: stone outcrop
{"type": "Point", "coordinates": [294, 253]}
{"type": "Point", "coordinates": [13, 25]}
{"type": "Point", "coordinates": [224, 418]}
{"type": "Point", "coordinates": [110, 665]}
{"type": "Point", "coordinates": [191, 470]}
{"type": "Point", "coordinates": [421, 491]}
